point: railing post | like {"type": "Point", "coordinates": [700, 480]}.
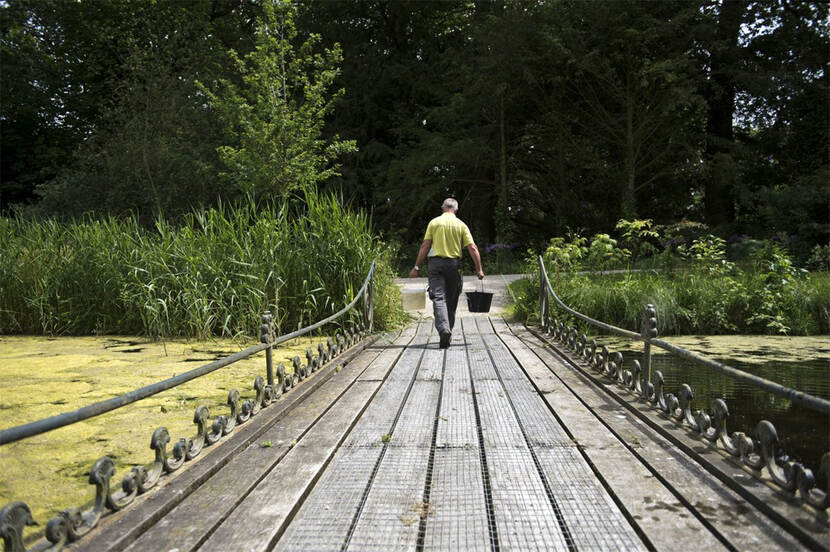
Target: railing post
{"type": "Point", "coordinates": [544, 300]}
{"type": "Point", "coordinates": [372, 298]}
{"type": "Point", "coordinates": [266, 335]}
{"type": "Point", "coordinates": [542, 293]}
{"type": "Point", "coordinates": [649, 331]}
{"type": "Point", "coordinates": [369, 301]}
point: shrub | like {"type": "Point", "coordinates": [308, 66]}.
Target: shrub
{"type": "Point", "coordinates": [770, 296]}
{"type": "Point", "coordinates": [819, 258]}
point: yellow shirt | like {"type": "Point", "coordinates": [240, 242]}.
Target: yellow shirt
{"type": "Point", "coordinates": [448, 235]}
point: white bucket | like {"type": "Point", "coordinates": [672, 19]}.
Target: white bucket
{"type": "Point", "coordinates": [413, 299]}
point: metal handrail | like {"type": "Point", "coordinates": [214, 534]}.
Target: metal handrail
{"type": "Point", "coordinates": [797, 397]}
{"type": "Point", "coordinates": [756, 452]}
{"type": "Point", "coordinates": [72, 524]}
{"type": "Point", "coordinates": [31, 429]}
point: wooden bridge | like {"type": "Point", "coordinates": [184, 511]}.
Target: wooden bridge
{"type": "Point", "coordinates": [504, 441]}
{"type": "Point", "coordinates": [497, 443]}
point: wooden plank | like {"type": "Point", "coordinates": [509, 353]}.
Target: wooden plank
{"type": "Point", "coordinates": [119, 529]}
{"type": "Point", "coordinates": [782, 510]}
{"type": "Point", "coordinates": [457, 421]}
{"type": "Point", "coordinates": [593, 519]}
{"type": "Point", "coordinates": [524, 516]}
{"type": "Point", "coordinates": [389, 519]}
{"type": "Point", "coordinates": [186, 526]}
{"type": "Point", "coordinates": [391, 349]}
{"type": "Point", "coordinates": [432, 364]}
{"type": "Point", "coordinates": [262, 516]}
{"type": "Point", "coordinates": [457, 510]}
{"type": "Point", "coordinates": [723, 508]}
{"type": "Point", "coordinates": [457, 519]}
{"type": "Point", "coordinates": [325, 518]}
{"type": "Point", "coordinates": [380, 415]}
{"type": "Point", "coordinates": [659, 514]}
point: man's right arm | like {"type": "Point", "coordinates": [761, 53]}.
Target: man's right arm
{"type": "Point", "coordinates": [476, 256]}
{"type": "Point", "coordinates": [423, 251]}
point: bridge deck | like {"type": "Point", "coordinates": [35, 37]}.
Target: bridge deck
{"type": "Point", "coordinates": [493, 444]}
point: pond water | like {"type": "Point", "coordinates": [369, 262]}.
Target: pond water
{"type": "Point", "coordinates": [44, 376]}
{"type": "Point", "coordinates": [802, 363]}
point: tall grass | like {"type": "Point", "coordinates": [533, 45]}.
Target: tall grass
{"type": "Point", "coordinates": [692, 301]}
{"type": "Point", "coordinates": [212, 274]}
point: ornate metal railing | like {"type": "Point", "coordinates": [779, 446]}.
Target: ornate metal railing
{"type": "Point", "coordinates": [756, 452]}
{"type": "Point", "coordinates": [72, 524]}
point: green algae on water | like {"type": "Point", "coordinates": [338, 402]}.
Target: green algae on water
{"type": "Point", "coordinates": [44, 376]}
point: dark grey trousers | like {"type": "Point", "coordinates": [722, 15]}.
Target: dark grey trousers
{"type": "Point", "coordinates": [444, 289]}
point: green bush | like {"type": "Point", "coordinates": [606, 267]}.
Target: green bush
{"type": "Point", "coordinates": [710, 296]}
{"type": "Point", "coordinates": [212, 275]}
{"type": "Point", "coordinates": [819, 258]}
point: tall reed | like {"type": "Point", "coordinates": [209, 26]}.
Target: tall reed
{"type": "Point", "coordinates": [692, 301]}
{"type": "Point", "coordinates": [211, 274]}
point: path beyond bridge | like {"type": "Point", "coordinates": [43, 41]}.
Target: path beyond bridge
{"type": "Point", "coordinates": [496, 443]}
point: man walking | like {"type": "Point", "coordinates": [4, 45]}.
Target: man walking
{"type": "Point", "coordinates": [443, 241]}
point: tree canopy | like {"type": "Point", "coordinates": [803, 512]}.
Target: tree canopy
{"type": "Point", "coordinates": [538, 116]}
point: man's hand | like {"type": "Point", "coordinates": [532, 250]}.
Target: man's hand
{"type": "Point", "coordinates": [413, 273]}
{"type": "Point", "coordinates": [480, 274]}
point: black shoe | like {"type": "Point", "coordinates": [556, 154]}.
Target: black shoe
{"type": "Point", "coordinates": [445, 341]}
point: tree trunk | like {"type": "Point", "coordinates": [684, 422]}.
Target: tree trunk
{"type": "Point", "coordinates": [629, 202]}
{"type": "Point", "coordinates": [719, 204]}
{"type": "Point", "coordinates": [504, 214]}
{"type": "Point", "coordinates": [502, 156]}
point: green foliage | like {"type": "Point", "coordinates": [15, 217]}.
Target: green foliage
{"type": "Point", "coordinates": [708, 253]}
{"type": "Point", "coordinates": [604, 254]}
{"type": "Point", "coordinates": [213, 274]}
{"type": "Point", "coordinates": [778, 280]}
{"type": "Point", "coordinates": [275, 117]}
{"type": "Point", "coordinates": [819, 258]}
{"type": "Point", "coordinates": [710, 296]}
{"type": "Point", "coordinates": [564, 255]}
{"type": "Point", "coordinates": [121, 126]}
{"type": "Point", "coordinates": [538, 116]}
{"type": "Point", "coordinates": [636, 235]}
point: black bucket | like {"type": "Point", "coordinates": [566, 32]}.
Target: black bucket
{"type": "Point", "coordinates": [479, 301]}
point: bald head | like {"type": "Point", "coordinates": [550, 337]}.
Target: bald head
{"type": "Point", "coordinates": [450, 205]}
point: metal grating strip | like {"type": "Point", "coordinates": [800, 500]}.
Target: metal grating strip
{"type": "Point", "coordinates": [457, 515]}
{"type": "Point", "coordinates": [368, 502]}
{"type": "Point", "coordinates": [524, 515]}
{"type": "Point", "coordinates": [468, 325]}
{"type": "Point", "coordinates": [325, 517]}
{"type": "Point", "coordinates": [456, 422]}
{"type": "Point", "coordinates": [431, 365]}
{"type": "Point", "coordinates": [499, 425]}
{"type": "Point", "coordinates": [590, 516]}
{"type": "Point", "coordinates": [594, 521]}
{"type": "Point", "coordinates": [415, 425]}
{"type": "Point", "coordinates": [389, 518]}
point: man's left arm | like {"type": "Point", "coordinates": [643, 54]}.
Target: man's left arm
{"type": "Point", "coordinates": [476, 256]}
{"type": "Point", "coordinates": [422, 256]}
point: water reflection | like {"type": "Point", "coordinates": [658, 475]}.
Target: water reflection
{"type": "Point", "coordinates": [804, 434]}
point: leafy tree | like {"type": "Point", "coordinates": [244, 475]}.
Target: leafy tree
{"type": "Point", "coordinates": [118, 112]}
{"type": "Point", "coordinates": [275, 116]}
{"type": "Point", "coordinates": [722, 58]}
{"type": "Point", "coordinates": [632, 84]}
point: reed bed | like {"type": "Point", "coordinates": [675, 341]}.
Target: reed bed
{"type": "Point", "coordinates": [691, 301]}
{"type": "Point", "coordinates": [211, 274]}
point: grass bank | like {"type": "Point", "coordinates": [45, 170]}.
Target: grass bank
{"type": "Point", "coordinates": [692, 301]}
{"type": "Point", "coordinates": [212, 274]}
